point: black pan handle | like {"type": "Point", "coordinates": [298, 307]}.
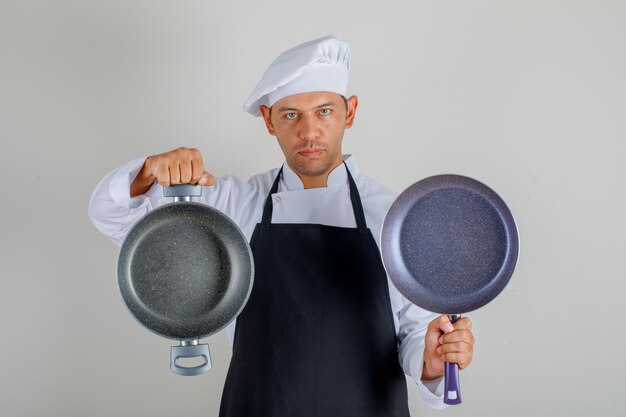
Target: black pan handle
{"type": "Point", "coordinates": [183, 192]}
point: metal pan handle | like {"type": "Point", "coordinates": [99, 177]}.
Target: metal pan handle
{"type": "Point", "coordinates": [183, 192]}
{"type": "Point", "coordinates": [190, 351]}
{"type": "Point", "coordinates": [451, 386]}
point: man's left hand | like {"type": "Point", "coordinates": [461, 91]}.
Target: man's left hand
{"type": "Point", "coordinates": [447, 342]}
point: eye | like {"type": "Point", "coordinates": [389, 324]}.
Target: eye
{"type": "Point", "coordinates": [325, 112]}
{"type": "Point", "coordinates": [291, 116]}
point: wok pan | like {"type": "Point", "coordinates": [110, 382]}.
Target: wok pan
{"type": "Point", "coordinates": [185, 271]}
{"type": "Point", "coordinates": [450, 245]}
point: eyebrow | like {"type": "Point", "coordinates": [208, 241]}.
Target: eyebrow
{"type": "Point", "coordinates": [328, 104]}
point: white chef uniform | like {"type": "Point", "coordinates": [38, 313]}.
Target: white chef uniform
{"type": "Point", "coordinates": [113, 212]}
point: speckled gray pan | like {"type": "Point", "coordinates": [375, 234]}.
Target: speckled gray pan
{"type": "Point", "coordinates": [185, 270]}
{"type": "Point", "coordinates": [449, 244]}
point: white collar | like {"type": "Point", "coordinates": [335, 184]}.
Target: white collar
{"type": "Point", "coordinates": [290, 181]}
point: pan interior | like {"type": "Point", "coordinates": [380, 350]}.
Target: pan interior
{"type": "Point", "coordinates": [453, 242]}
{"type": "Point", "coordinates": [185, 271]}
{"type": "Point", "coordinates": [182, 271]}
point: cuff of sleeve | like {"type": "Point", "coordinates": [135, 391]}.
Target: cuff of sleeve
{"type": "Point", "coordinates": [434, 387]}
{"type": "Point", "coordinates": [432, 392]}
{"type": "Point", "coordinates": [120, 184]}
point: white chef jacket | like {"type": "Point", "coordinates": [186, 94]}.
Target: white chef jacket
{"type": "Point", "coordinates": [113, 212]}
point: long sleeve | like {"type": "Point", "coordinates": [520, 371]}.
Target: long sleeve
{"type": "Point", "coordinates": [114, 212]}
{"type": "Point", "coordinates": [111, 208]}
{"type": "Point", "coordinates": [412, 324]}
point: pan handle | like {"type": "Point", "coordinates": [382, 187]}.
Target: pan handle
{"type": "Point", "coordinates": [183, 192]}
{"type": "Point", "coordinates": [452, 387]}
{"type": "Point", "coordinates": [190, 351]}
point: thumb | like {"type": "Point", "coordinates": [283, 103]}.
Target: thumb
{"type": "Point", "coordinates": [207, 179]}
{"type": "Point", "coordinates": [441, 323]}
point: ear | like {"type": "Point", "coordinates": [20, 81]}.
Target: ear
{"type": "Point", "coordinates": [266, 113]}
{"type": "Point", "coordinates": [353, 103]}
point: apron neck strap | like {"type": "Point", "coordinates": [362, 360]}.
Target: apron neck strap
{"type": "Point", "coordinates": [357, 206]}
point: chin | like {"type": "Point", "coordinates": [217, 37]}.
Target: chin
{"type": "Point", "coordinates": [308, 171]}
{"type": "Point", "coordinates": [312, 167]}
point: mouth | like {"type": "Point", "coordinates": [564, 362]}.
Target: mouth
{"type": "Point", "coordinates": [311, 152]}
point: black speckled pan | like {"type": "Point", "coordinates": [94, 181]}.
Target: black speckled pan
{"type": "Point", "coordinates": [450, 245]}
{"type": "Point", "coordinates": [185, 271]}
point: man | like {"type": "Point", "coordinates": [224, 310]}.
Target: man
{"type": "Point", "coordinates": [324, 333]}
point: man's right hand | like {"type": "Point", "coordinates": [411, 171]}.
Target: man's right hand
{"type": "Point", "coordinates": [180, 166]}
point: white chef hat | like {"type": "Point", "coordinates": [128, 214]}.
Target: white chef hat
{"type": "Point", "coordinates": [318, 65]}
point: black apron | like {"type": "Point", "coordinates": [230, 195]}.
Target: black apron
{"type": "Point", "coordinates": [316, 337]}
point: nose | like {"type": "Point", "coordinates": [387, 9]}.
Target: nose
{"type": "Point", "coordinates": [309, 128]}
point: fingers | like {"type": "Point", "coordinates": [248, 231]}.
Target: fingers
{"type": "Point", "coordinates": [163, 173]}
{"type": "Point", "coordinates": [197, 168]}
{"type": "Point", "coordinates": [461, 359]}
{"type": "Point", "coordinates": [180, 166]}
{"type": "Point", "coordinates": [457, 352]}
{"type": "Point", "coordinates": [207, 179]}
{"type": "Point", "coordinates": [463, 323]}
{"type": "Point", "coordinates": [185, 173]}
{"type": "Point", "coordinates": [462, 335]}
{"type": "Point", "coordinates": [174, 174]}
{"type": "Point", "coordinates": [457, 345]}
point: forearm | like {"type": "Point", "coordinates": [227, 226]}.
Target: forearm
{"type": "Point", "coordinates": [143, 181]}
{"type": "Point", "coordinates": [428, 374]}
{"type": "Point", "coordinates": [111, 208]}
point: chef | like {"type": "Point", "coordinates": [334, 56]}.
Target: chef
{"type": "Point", "coordinates": [324, 332]}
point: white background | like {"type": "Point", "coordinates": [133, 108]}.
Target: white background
{"type": "Point", "coordinates": [526, 96]}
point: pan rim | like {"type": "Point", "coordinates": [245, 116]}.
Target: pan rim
{"type": "Point", "coordinates": [239, 240]}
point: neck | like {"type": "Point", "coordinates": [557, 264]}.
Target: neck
{"type": "Point", "coordinates": [314, 182]}
{"type": "Point", "coordinates": [317, 181]}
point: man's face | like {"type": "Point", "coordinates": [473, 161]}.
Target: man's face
{"type": "Point", "coordinates": [309, 128]}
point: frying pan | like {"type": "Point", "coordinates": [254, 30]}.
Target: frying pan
{"type": "Point", "coordinates": [450, 245]}
{"type": "Point", "coordinates": [185, 271]}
